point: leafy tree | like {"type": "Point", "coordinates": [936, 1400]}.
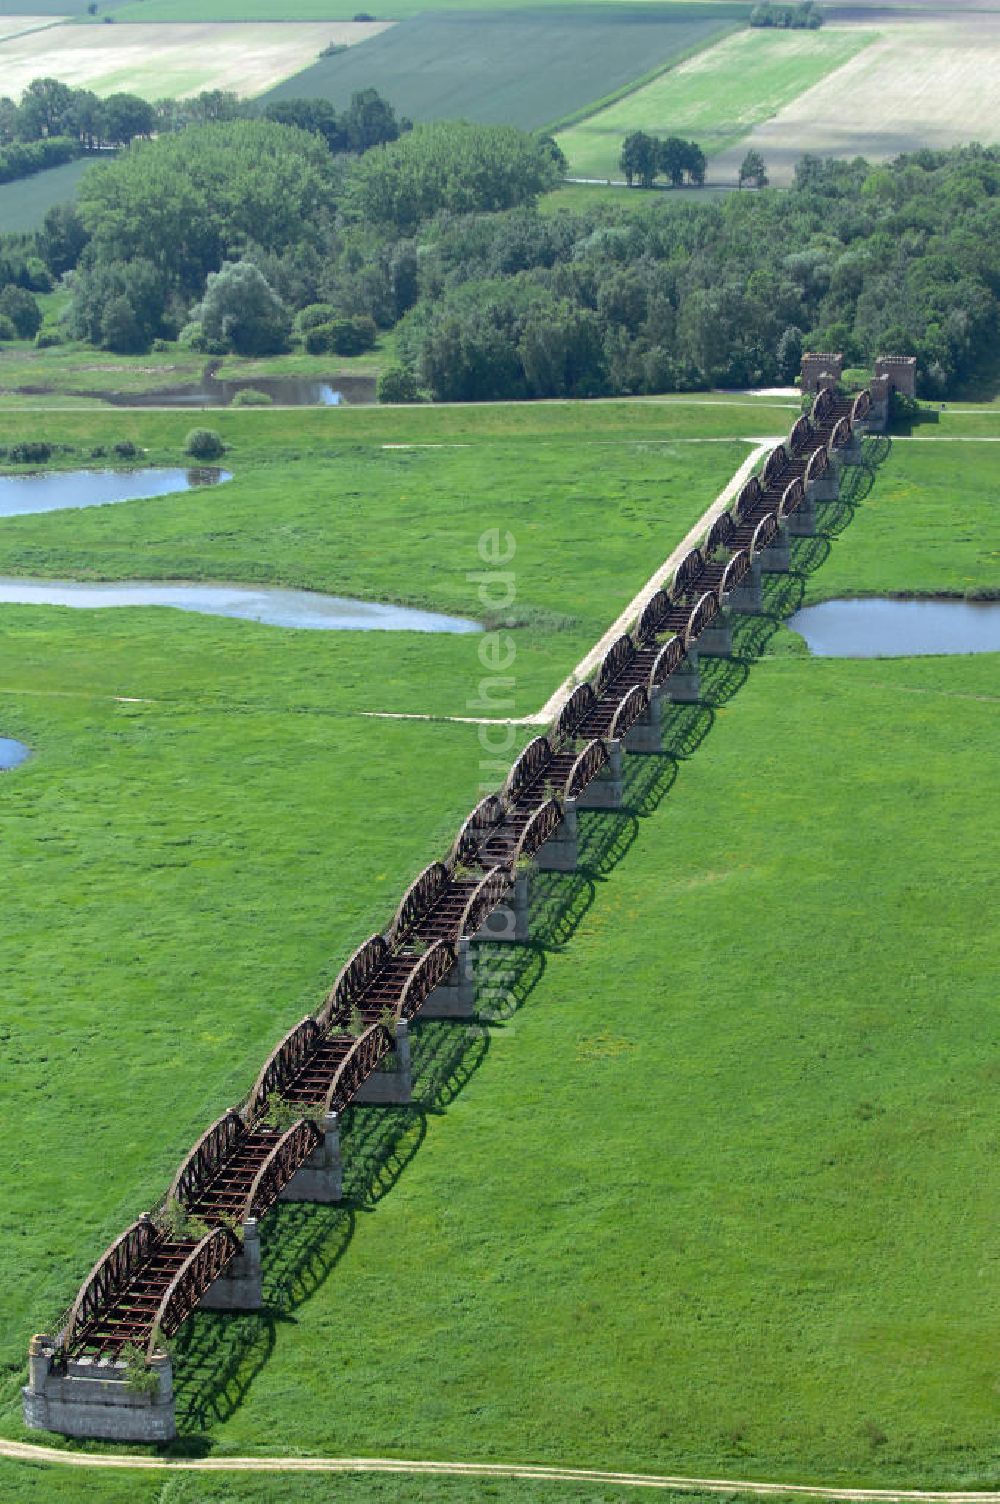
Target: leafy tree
{"type": "Point", "coordinates": [789, 354]}
{"type": "Point", "coordinates": [189, 201]}
{"type": "Point", "coordinates": [639, 158]}
{"type": "Point", "coordinates": [397, 384]}
{"type": "Point", "coordinates": [204, 444]}
{"type": "Point", "coordinates": [753, 170]}
{"type": "Point", "coordinates": [62, 238]}
{"type": "Point", "coordinates": [695, 163]}
{"type": "Point", "coordinates": [120, 329]}
{"type": "Point", "coordinates": [315, 115]}
{"type": "Point", "coordinates": [370, 121]}
{"type": "Point", "coordinates": [459, 167]}
{"type": "Point", "coordinates": [46, 110]}
{"type": "Point", "coordinates": [672, 159]}
{"type": "Point", "coordinates": [241, 312]}
{"type": "Point", "coordinates": [123, 117]}
{"type": "Point", "coordinates": [18, 305]}
{"type": "Point", "coordinates": [140, 285]}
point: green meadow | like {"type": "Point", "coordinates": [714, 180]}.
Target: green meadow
{"type": "Point", "coordinates": [43, 1484]}
{"type": "Point", "coordinates": [716, 97]}
{"type": "Point", "coordinates": [683, 1200]}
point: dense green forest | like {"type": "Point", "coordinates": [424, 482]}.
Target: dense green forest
{"type": "Point", "coordinates": [249, 234]}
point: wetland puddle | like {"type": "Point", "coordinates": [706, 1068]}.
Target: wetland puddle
{"type": "Point", "coordinates": [284, 391]}
{"type": "Point", "coordinates": [882, 628]}
{"type": "Point", "coordinates": [273, 607]}
{"type": "Point", "coordinates": [11, 753]}
{"type": "Point", "coordinates": [55, 490]}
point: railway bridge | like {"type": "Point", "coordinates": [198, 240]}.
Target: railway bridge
{"type": "Point", "coordinates": [199, 1246]}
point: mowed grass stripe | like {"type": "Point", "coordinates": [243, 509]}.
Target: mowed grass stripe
{"type": "Point", "coordinates": [524, 67]}
{"type": "Point", "coordinates": [715, 98]}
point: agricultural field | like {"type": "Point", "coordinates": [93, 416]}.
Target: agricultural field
{"type": "Point", "coordinates": [396, 10]}
{"type": "Point", "coordinates": [173, 60]}
{"type": "Point", "coordinates": [25, 202]}
{"type": "Point", "coordinates": [921, 83]}
{"type": "Point", "coordinates": [716, 97]}
{"type": "Point", "coordinates": [498, 66]}
{"type": "Point", "coordinates": [696, 1195]}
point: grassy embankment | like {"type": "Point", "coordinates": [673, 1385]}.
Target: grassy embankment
{"type": "Point", "coordinates": [715, 98]}
{"type": "Point", "coordinates": [693, 1207]}
{"type": "Point", "coordinates": [208, 826]}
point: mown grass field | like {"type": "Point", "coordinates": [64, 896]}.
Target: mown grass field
{"type": "Point", "coordinates": [172, 61]}
{"type": "Point", "coordinates": [25, 202]}
{"type": "Point", "coordinates": [924, 82]}
{"type": "Point", "coordinates": [525, 67]}
{"type": "Point", "coordinates": [716, 97]}
{"type": "Point", "coordinates": [688, 1203]}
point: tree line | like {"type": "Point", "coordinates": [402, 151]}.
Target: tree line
{"type": "Point", "coordinates": [644, 158]}
{"type": "Point", "coordinates": [806, 16]}
{"type": "Point", "coordinates": [55, 122]}
{"type": "Point", "coordinates": [245, 234]}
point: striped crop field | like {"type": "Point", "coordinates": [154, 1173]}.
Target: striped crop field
{"type": "Point", "coordinates": [524, 67]}
{"type": "Point", "coordinates": [716, 97]}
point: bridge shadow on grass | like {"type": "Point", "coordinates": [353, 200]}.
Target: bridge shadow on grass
{"type": "Point", "coordinates": [505, 977]}
{"type": "Point", "coordinates": [557, 902]}
{"type": "Point", "coordinates": [216, 1359]}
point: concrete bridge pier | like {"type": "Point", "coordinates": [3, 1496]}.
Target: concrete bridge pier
{"type": "Point", "coordinates": [559, 854]}
{"type": "Point", "coordinates": [802, 522]}
{"type": "Point", "coordinates": [90, 1397]}
{"type": "Point", "coordinates": [777, 557]}
{"type": "Point", "coordinates": [827, 487]}
{"type": "Point", "coordinates": [321, 1178]}
{"type": "Point", "coordinates": [684, 685]}
{"type": "Point", "coordinates": [647, 733]}
{"type": "Point", "coordinates": [509, 921]}
{"type": "Point", "coordinates": [605, 792]}
{"type": "Point", "coordinates": [748, 597]}
{"type": "Point", "coordinates": [392, 1087]}
{"type": "Point", "coordinates": [455, 997]}
{"type": "Point", "coordinates": [716, 641]}
{"type": "Point", "coordinates": [238, 1287]}
{"type": "Point", "coordinates": [849, 454]}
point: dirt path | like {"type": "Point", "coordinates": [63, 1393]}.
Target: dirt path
{"type": "Point", "coordinates": [19, 1451]}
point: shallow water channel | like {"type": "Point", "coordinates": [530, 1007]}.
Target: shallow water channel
{"type": "Point", "coordinates": [883, 628]}
{"type": "Point", "coordinates": [284, 391]}
{"type": "Point", "coordinates": [261, 603]}
{"type": "Point", "coordinates": [55, 490]}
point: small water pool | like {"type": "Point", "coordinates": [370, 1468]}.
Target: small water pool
{"type": "Point", "coordinates": [11, 753]}
{"type": "Point", "coordinates": [882, 628]}
{"type": "Point", "coordinates": [284, 391]}
{"type": "Point", "coordinates": [54, 490]}
{"type": "Point", "coordinates": [273, 607]}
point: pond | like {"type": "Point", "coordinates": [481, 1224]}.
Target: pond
{"type": "Point", "coordinates": [273, 607]}
{"type": "Point", "coordinates": [881, 628]}
{"type": "Point", "coordinates": [284, 391]}
{"type": "Point", "coordinates": [52, 490]}
{"type": "Point", "coordinates": [11, 753]}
